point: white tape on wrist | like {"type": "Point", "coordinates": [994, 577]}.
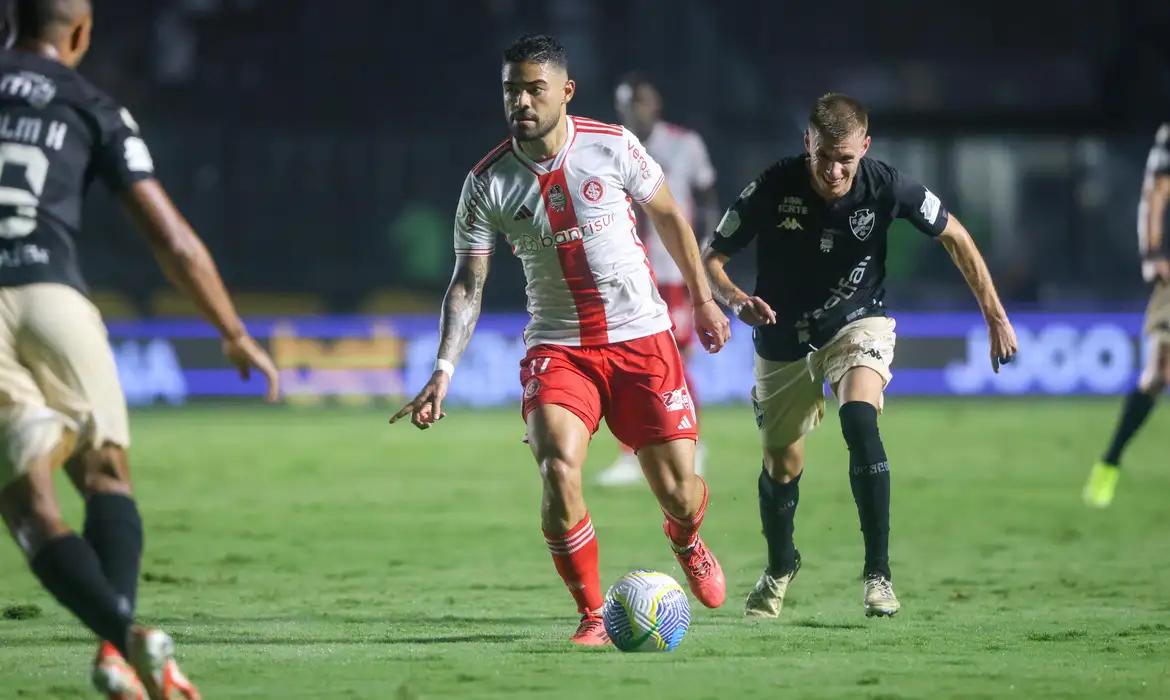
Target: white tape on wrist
{"type": "Point", "coordinates": [447, 366]}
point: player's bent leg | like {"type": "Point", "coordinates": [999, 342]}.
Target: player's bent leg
{"type": "Point", "coordinates": [64, 563]}
{"type": "Point", "coordinates": [860, 392]}
{"type": "Point", "coordinates": [682, 494]}
{"type": "Point", "coordinates": [779, 494]}
{"type": "Point", "coordinates": [113, 526]}
{"type": "Point", "coordinates": [1102, 483]}
{"type": "Point", "coordinates": [559, 441]}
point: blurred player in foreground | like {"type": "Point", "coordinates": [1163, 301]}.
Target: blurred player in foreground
{"type": "Point", "coordinates": [1155, 251]}
{"type": "Point", "coordinates": [820, 221]}
{"type": "Point", "coordinates": [60, 400]}
{"type": "Point", "coordinates": [599, 341]}
{"type": "Point", "coordinates": [691, 177]}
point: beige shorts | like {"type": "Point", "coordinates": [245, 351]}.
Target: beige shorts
{"type": "Point", "coordinates": [789, 397]}
{"type": "Point", "coordinates": [1158, 314]}
{"type": "Point", "coordinates": [58, 380]}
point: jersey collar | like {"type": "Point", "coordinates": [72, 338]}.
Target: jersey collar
{"type": "Point", "coordinates": [548, 166]}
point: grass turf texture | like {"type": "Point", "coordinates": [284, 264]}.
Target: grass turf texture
{"type": "Point", "coordinates": [322, 553]}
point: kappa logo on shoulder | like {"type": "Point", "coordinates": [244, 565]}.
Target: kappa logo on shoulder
{"type": "Point", "coordinates": [861, 223]}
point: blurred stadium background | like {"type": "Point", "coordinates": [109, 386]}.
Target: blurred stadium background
{"type": "Point", "coordinates": [319, 148]}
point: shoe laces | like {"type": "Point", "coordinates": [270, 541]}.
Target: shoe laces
{"type": "Point", "coordinates": [881, 584]}
{"type": "Point", "coordinates": [699, 560]}
{"type": "Point", "coordinates": [590, 623]}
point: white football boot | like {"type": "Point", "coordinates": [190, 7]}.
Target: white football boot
{"type": "Point", "coordinates": [879, 597]}
{"type": "Point", "coordinates": [767, 598]}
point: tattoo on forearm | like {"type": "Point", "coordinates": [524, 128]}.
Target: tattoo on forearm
{"type": "Point", "coordinates": [461, 306]}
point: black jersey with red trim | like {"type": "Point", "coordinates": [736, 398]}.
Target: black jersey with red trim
{"type": "Point", "coordinates": [57, 133]}
{"type": "Point", "coordinates": [821, 264]}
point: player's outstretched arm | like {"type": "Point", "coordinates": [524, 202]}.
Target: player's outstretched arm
{"type": "Point", "coordinates": [1151, 218]}
{"type": "Point", "coordinates": [187, 263]}
{"type": "Point", "coordinates": [961, 247]}
{"type": "Point", "coordinates": [752, 310]}
{"type": "Point", "coordinates": [676, 234]}
{"type": "Point", "coordinates": [461, 307]}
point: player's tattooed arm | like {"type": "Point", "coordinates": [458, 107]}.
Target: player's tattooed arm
{"type": "Point", "coordinates": [461, 307]}
{"type": "Point", "coordinates": [752, 310]}
{"type": "Point", "coordinates": [967, 258]}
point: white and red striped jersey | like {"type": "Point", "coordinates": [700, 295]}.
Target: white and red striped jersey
{"type": "Point", "coordinates": [683, 157]}
{"type": "Point", "coordinates": [571, 222]}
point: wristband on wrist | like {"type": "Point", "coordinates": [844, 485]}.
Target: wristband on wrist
{"type": "Point", "coordinates": [705, 301]}
{"type": "Point", "coordinates": [447, 366]}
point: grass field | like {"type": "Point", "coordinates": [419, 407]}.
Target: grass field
{"type": "Point", "coordinates": [322, 554]}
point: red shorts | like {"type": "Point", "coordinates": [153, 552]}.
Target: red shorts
{"type": "Point", "coordinates": [678, 303]}
{"type": "Point", "coordinates": [638, 386]}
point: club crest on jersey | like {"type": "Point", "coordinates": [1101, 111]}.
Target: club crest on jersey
{"type": "Point", "coordinates": [861, 223]}
{"type": "Point", "coordinates": [592, 190]}
{"type": "Point", "coordinates": [677, 400]}
{"type": "Point", "coordinates": [556, 198]}
{"type": "Point", "coordinates": [531, 388]}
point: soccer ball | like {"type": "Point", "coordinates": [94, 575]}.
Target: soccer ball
{"type": "Point", "coordinates": [646, 611]}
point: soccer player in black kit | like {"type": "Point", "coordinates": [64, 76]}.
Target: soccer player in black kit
{"type": "Point", "coordinates": [819, 221]}
{"type": "Point", "coordinates": [1154, 247]}
{"type": "Point", "coordinates": [60, 400]}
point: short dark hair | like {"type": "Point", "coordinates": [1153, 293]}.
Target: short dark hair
{"type": "Point", "coordinates": [838, 116]}
{"type": "Point", "coordinates": [537, 48]}
{"type": "Point", "coordinates": [36, 19]}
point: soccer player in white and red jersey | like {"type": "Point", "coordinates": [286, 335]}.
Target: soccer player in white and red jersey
{"type": "Point", "coordinates": [691, 177]}
{"type": "Point", "coordinates": [561, 191]}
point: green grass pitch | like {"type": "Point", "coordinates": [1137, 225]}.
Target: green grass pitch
{"type": "Point", "coordinates": [320, 553]}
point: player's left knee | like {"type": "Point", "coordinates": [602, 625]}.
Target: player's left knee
{"type": "Point", "coordinates": [104, 469]}
{"type": "Point", "coordinates": [859, 424]}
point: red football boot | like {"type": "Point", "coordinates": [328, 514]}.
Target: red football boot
{"type": "Point", "coordinates": [591, 632]}
{"type": "Point", "coordinates": [704, 575]}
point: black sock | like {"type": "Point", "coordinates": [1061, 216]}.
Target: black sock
{"type": "Point", "coordinates": [869, 477]}
{"type": "Point", "coordinates": [777, 510]}
{"type": "Point", "coordinates": [68, 568]}
{"type": "Point", "coordinates": [114, 529]}
{"type": "Point", "coordinates": [1134, 412]}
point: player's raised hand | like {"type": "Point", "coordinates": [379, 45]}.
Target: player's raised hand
{"type": "Point", "coordinates": [754, 311]}
{"type": "Point", "coordinates": [427, 408]}
{"type": "Point", "coordinates": [246, 354]}
{"type": "Point", "coordinates": [712, 325]}
{"type": "Point", "coordinates": [1003, 342]}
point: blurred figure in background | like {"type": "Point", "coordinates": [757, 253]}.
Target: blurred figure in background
{"type": "Point", "coordinates": [1155, 252]}
{"type": "Point", "coordinates": [691, 178]}
{"type": "Point", "coordinates": [60, 398]}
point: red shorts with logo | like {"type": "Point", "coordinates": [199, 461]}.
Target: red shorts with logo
{"type": "Point", "coordinates": [678, 303]}
{"type": "Point", "coordinates": [638, 387]}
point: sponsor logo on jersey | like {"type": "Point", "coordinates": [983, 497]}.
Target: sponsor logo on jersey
{"type": "Point", "coordinates": [930, 206]}
{"type": "Point", "coordinates": [792, 205]}
{"type": "Point", "coordinates": [522, 213]}
{"type": "Point", "coordinates": [677, 400]}
{"type": "Point", "coordinates": [552, 239]}
{"type": "Point", "coordinates": [592, 190]}
{"type": "Point", "coordinates": [685, 424]}
{"type": "Point", "coordinates": [31, 87]}
{"type": "Point", "coordinates": [747, 191]}
{"type": "Point", "coordinates": [827, 242]}
{"type": "Point", "coordinates": [846, 287]}
{"type": "Point", "coordinates": [729, 224]}
{"type": "Point", "coordinates": [790, 224]}
{"type": "Point", "coordinates": [556, 198]}
{"type": "Point", "coordinates": [640, 159]}
{"type": "Point", "coordinates": [861, 223]}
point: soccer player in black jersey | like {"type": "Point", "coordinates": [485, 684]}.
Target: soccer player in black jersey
{"type": "Point", "coordinates": [819, 221]}
{"type": "Point", "coordinates": [1154, 247]}
{"type": "Point", "coordinates": [60, 400]}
